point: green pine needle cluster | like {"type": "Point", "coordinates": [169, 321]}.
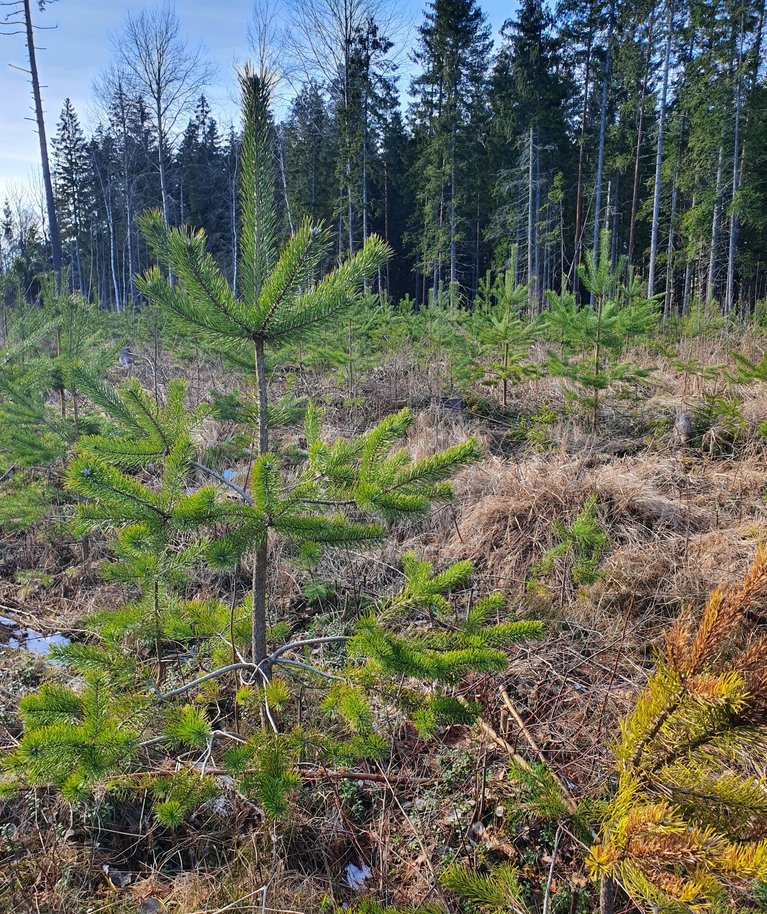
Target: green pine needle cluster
{"type": "Point", "coordinates": [394, 640]}
{"type": "Point", "coordinates": [581, 546]}
{"type": "Point", "coordinates": [498, 892]}
{"type": "Point", "coordinates": [73, 739]}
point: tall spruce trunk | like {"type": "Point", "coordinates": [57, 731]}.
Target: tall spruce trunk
{"type": "Point", "coordinates": [669, 294]}
{"type": "Point", "coordinates": [127, 185]}
{"type": "Point", "coordinates": [112, 247]}
{"type": "Point", "coordinates": [659, 152]}
{"type": "Point", "coordinates": [729, 300]}
{"type": "Point", "coordinates": [365, 192]}
{"type": "Point", "coordinates": [453, 210]}
{"type": "Point", "coordinates": [602, 132]}
{"type": "Point", "coordinates": [640, 139]}
{"type": "Point", "coordinates": [260, 558]}
{"type": "Point", "coordinates": [530, 206]}
{"type": "Point", "coordinates": [537, 233]}
{"type": "Point", "coordinates": [715, 225]}
{"type": "Point", "coordinates": [581, 159]}
{"type": "Point", "coordinates": [386, 223]}
{"type": "Point", "coordinates": [50, 201]}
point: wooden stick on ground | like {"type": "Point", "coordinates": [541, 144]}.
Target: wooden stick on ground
{"type": "Point", "coordinates": [571, 804]}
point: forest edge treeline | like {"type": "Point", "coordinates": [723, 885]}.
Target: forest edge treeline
{"type": "Point", "coordinates": [649, 115]}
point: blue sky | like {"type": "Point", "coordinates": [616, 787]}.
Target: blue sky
{"type": "Point", "coordinates": [73, 55]}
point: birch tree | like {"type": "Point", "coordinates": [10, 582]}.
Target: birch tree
{"type": "Point", "coordinates": [161, 66]}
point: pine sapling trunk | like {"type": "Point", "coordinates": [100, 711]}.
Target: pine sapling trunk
{"type": "Point", "coordinates": [261, 555]}
{"type": "Point", "coordinates": [349, 357]}
{"type": "Point", "coordinates": [505, 373]}
{"type": "Point", "coordinates": [597, 353]}
{"type": "Point", "coordinates": [75, 410]}
{"type": "Point", "coordinates": [606, 895]}
{"type": "Point", "coordinates": [62, 391]}
{"type": "Point", "coordinates": [157, 641]}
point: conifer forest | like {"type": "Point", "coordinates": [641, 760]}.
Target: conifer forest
{"type": "Point", "coordinates": [383, 461]}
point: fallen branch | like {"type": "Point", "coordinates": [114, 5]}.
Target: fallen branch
{"type": "Point", "coordinates": [266, 664]}
{"type": "Point", "coordinates": [222, 671]}
{"type": "Point", "coordinates": [571, 804]}
{"type": "Point", "coordinates": [214, 474]}
{"type": "Point", "coordinates": [306, 774]}
{"type": "Point", "coordinates": [520, 760]}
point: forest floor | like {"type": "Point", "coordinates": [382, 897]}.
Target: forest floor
{"type": "Point", "coordinates": [682, 514]}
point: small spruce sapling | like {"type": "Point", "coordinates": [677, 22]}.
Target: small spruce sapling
{"type": "Point", "coordinates": [503, 340]}
{"type": "Point", "coordinates": [280, 299]}
{"type": "Point", "coordinates": [580, 548]}
{"type": "Point", "coordinates": [593, 337]}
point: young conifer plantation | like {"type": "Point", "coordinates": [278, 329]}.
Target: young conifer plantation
{"type": "Point", "coordinates": [383, 479]}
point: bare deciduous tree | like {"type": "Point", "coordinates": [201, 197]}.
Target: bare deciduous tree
{"type": "Point", "coordinates": [328, 41]}
{"type": "Point", "coordinates": [160, 65]}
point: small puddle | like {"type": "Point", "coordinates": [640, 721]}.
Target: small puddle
{"type": "Point", "coordinates": [27, 639]}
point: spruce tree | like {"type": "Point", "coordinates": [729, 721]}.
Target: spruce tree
{"type": "Point", "coordinates": [530, 150]}
{"type": "Point", "coordinates": [279, 301]}
{"type": "Point", "coordinates": [447, 115]}
{"type": "Point", "coordinates": [71, 176]}
{"type": "Point", "coordinates": [309, 148]}
{"type": "Point", "coordinates": [201, 180]}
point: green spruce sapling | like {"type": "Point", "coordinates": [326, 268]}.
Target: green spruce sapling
{"type": "Point", "coordinates": [592, 338]}
{"type": "Point", "coordinates": [503, 339]}
{"type": "Point", "coordinates": [280, 300]}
